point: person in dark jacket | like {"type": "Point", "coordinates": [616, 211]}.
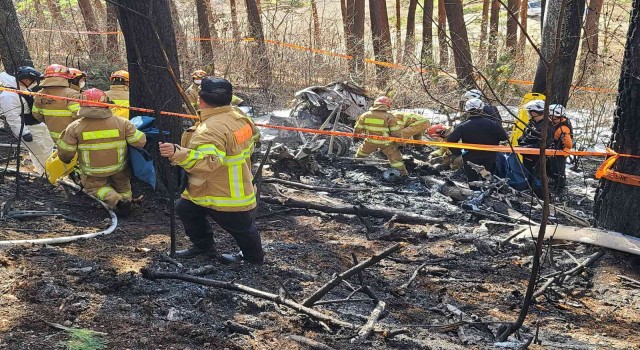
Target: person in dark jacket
{"type": "Point", "coordinates": [479, 130]}
{"type": "Point", "coordinates": [489, 110]}
{"type": "Point", "coordinates": [532, 137]}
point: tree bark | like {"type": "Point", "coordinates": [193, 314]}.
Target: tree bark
{"type": "Point", "coordinates": [426, 55]}
{"type": "Point", "coordinates": [54, 9]}
{"type": "Point", "coordinates": [483, 27]}
{"type": "Point", "coordinates": [96, 46]}
{"type": "Point", "coordinates": [212, 25]}
{"type": "Point", "coordinates": [589, 52]}
{"type": "Point", "coordinates": [181, 37]}
{"type": "Point", "coordinates": [316, 24]}
{"type": "Point", "coordinates": [259, 50]}
{"type": "Point", "coordinates": [442, 35]}
{"type": "Point", "coordinates": [234, 19]}
{"type": "Point", "coordinates": [565, 55]}
{"type": "Point", "coordinates": [494, 23]}
{"type": "Point", "coordinates": [204, 28]}
{"type": "Point", "coordinates": [460, 43]}
{"type": "Point", "coordinates": [113, 53]}
{"type": "Point", "coordinates": [410, 38]}
{"type": "Point", "coordinates": [512, 25]}
{"type": "Point", "coordinates": [522, 39]}
{"type": "Point", "coordinates": [398, 28]}
{"type": "Point", "coordinates": [616, 204]}
{"type": "Point", "coordinates": [13, 48]}
{"type": "Point", "coordinates": [354, 13]}
{"type": "Point", "coordinates": [381, 39]}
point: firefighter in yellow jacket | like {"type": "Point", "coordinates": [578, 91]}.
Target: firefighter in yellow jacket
{"type": "Point", "coordinates": [56, 114]}
{"type": "Point", "coordinates": [119, 93]}
{"type": "Point", "coordinates": [101, 140]}
{"type": "Point", "coordinates": [378, 121]}
{"type": "Point", "coordinates": [442, 157]}
{"type": "Point", "coordinates": [413, 125]}
{"type": "Point", "coordinates": [215, 153]}
{"type": "Point", "coordinates": [194, 89]}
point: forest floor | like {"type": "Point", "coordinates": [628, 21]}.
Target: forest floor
{"type": "Point", "coordinates": [96, 284]}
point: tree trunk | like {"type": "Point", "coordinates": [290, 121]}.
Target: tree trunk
{"type": "Point", "coordinates": [483, 27]}
{"type": "Point", "coordinates": [354, 37]}
{"type": "Point", "coordinates": [212, 25]}
{"type": "Point", "coordinates": [442, 35]}
{"type": "Point", "coordinates": [13, 49]}
{"type": "Point", "coordinates": [426, 55]}
{"type": "Point", "coordinates": [54, 9]}
{"type": "Point", "coordinates": [204, 28]}
{"type": "Point", "coordinates": [522, 40]}
{"type": "Point", "coordinates": [113, 53]}
{"type": "Point", "coordinates": [512, 25]}
{"type": "Point", "coordinates": [381, 39]}
{"type": "Point", "coordinates": [616, 204]}
{"type": "Point", "coordinates": [565, 55]}
{"type": "Point", "coordinates": [259, 50]}
{"type": "Point", "coordinates": [460, 43]}
{"type": "Point", "coordinates": [181, 37]}
{"type": "Point", "coordinates": [589, 53]}
{"type": "Point", "coordinates": [234, 19]}
{"type": "Point", "coordinates": [100, 12]}
{"type": "Point", "coordinates": [410, 38]}
{"type": "Point", "coordinates": [316, 24]}
{"type": "Point", "coordinates": [398, 33]}
{"type": "Point", "coordinates": [96, 46]}
{"type": "Point", "coordinates": [494, 23]}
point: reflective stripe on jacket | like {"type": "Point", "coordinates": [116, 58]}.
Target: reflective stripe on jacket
{"type": "Point", "coordinates": [101, 140]}
{"type": "Point", "coordinates": [119, 95]}
{"type": "Point", "coordinates": [377, 121]}
{"type": "Point", "coordinates": [216, 154]}
{"type": "Point", "coordinates": [412, 124]}
{"type": "Point", "coordinates": [56, 114]}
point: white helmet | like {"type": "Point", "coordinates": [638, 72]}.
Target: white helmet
{"type": "Point", "coordinates": [535, 106]}
{"type": "Point", "coordinates": [557, 110]}
{"type": "Point", "coordinates": [473, 104]}
{"type": "Point", "coordinates": [473, 93]}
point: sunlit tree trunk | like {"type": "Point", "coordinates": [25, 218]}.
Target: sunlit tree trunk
{"type": "Point", "coordinates": [113, 53]}
{"type": "Point", "coordinates": [398, 28]}
{"type": "Point", "coordinates": [494, 23]}
{"type": "Point", "coordinates": [442, 35]}
{"type": "Point", "coordinates": [460, 43]}
{"type": "Point", "coordinates": [204, 28]}
{"type": "Point", "coordinates": [484, 21]}
{"type": "Point", "coordinates": [512, 25]}
{"type": "Point", "coordinates": [589, 52]}
{"type": "Point", "coordinates": [13, 48]}
{"type": "Point", "coordinates": [410, 38]}
{"type": "Point", "coordinates": [96, 46]}
{"type": "Point", "coordinates": [381, 39]}
{"type": "Point", "coordinates": [234, 19]}
{"type": "Point", "coordinates": [426, 54]}
{"type": "Point", "coordinates": [259, 50]}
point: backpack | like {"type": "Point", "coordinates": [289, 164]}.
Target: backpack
{"type": "Point", "coordinates": [567, 123]}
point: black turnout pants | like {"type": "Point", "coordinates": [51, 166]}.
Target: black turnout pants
{"type": "Point", "coordinates": [241, 225]}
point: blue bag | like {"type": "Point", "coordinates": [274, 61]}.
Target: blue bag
{"type": "Point", "coordinates": [142, 165]}
{"type": "Point", "coordinates": [510, 167]}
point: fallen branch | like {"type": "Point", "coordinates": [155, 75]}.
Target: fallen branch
{"type": "Point", "coordinates": [406, 286]}
{"type": "Point", "coordinates": [573, 272]}
{"type": "Point", "coordinates": [155, 275]}
{"type": "Point", "coordinates": [367, 328]}
{"type": "Point", "coordinates": [352, 271]}
{"type": "Point", "coordinates": [239, 328]}
{"type": "Point", "coordinates": [315, 345]}
{"type": "Point", "coordinates": [385, 213]}
{"type": "Point", "coordinates": [629, 279]}
{"type": "Point", "coordinates": [342, 301]}
{"type": "Point", "coordinates": [311, 187]}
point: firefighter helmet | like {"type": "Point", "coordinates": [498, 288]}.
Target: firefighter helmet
{"type": "Point", "coordinates": [437, 130]}
{"type": "Point", "coordinates": [473, 104]}
{"type": "Point", "coordinates": [121, 75]}
{"type": "Point", "coordinates": [198, 74]}
{"type": "Point", "coordinates": [57, 70]}
{"type": "Point", "coordinates": [535, 106]}
{"type": "Point", "coordinates": [94, 95]}
{"type": "Point", "coordinates": [557, 110]}
{"type": "Point", "coordinates": [76, 73]}
{"type": "Point", "coordinates": [473, 93]}
{"type": "Point", "coordinates": [383, 100]}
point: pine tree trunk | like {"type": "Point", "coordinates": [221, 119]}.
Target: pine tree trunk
{"type": "Point", "coordinates": [353, 20]}
{"type": "Point", "coordinates": [13, 49]}
{"type": "Point", "coordinates": [460, 43]}
{"type": "Point", "coordinates": [567, 52]}
{"type": "Point", "coordinates": [589, 52]}
{"type": "Point", "coordinates": [234, 19]}
{"type": "Point", "coordinates": [96, 46]}
{"type": "Point", "coordinates": [398, 33]}
{"type": "Point", "coordinates": [522, 39]}
{"type": "Point", "coordinates": [426, 54]}
{"type": "Point", "coordinates": [512, 25]}
{"type": "Point", "coordinates": [494, 23]}
{"type": "Point", "coordinates": [381, 39]}
{"type": "Point", "coordinates": [113, 53]}
{"type": "Point", "coordinates": [442, 35]}
{"type": "Point", "coordinates": [204, 28]}
{"type": "Point", "coordinates": [316, 24]}
{"type": "Point", "coordinates": [212, 25]}
{"type": "Point", "coordinates": [616, 204]}
{"type": "Point", "coordinates": [483, 27]}
{"type": "Point", "coordinates": [259, 50]}
{"type": "Point", "coordinates": [410, 38]}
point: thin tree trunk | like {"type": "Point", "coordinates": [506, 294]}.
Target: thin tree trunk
{"type": "Point", "coordinates": [96, 46]}
{"type": "Point", "coordinates": [512, 25]}
{"type": "Point", "coordinates": [212, 25]}
{"type": "Point", "coordinates": [263, 70]}
{"type": "Point", "coordinates": [13, 48]}
{"type": "Point", "coordinates": [426, 55]}
{"type": "Point", "coordinates": [617, 204]}
{"type": "Point", "coordinates": [54, 9]}
{"type": "Point", "coordinates": [316, 24]}
{"type": "Point", "coordinates": [234, 19]}
{"type": "Point", "coordinates": [483, 27]}
{"type": "Point", "coordinates": [442, 35]}
{"type": "Point", "coordinates": [589, 52]}
{"type": "Point", "coordinates": [460, 43]}
{"type": "Point", "coordinates": [494, 23]}
{"type": "Point", "coordinates": [204, 28]}
{"type": "Point", "coordinates": [353, 20]}
{"type": "Point", "coordinates": [381, 39]}
{"type": "Point", "coordinates": [181, 37]}
{"type": "Point", "coordinates": [113, 53]}
{"type": "Point", "coordinates": [100, 12]}
{"type": "Point", "coordinates": [398, 28]}
{"type": "Point", "coordinates": [410, 39]}
{"type": "Point", "coordinates": [522, 40]}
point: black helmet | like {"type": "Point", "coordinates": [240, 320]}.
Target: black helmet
{"type": "Point", "coordinates": [26, 72]}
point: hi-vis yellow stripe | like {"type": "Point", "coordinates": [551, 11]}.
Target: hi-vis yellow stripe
{"type": "Point", "coordinates": [100, 134]}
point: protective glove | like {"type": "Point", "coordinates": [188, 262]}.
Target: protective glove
{"type": "Point", "coordinates": [27, 137]}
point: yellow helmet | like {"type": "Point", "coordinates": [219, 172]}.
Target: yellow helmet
{"type": "Point", "coordinates": [120, 74]}
{"type": "Point", "coordinates": [198, 74]}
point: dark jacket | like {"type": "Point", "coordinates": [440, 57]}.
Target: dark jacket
{"type": "Point", "coordinates": [492, 112]}
{"type": "Point", "coordinates": [533, 134]}
{"type": "Point", "coordinates": [479, 130]}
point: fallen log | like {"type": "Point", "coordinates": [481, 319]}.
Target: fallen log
{"type": "Point", "coordinates": [156, 275]}
{"type": "Point", "coordinates": [351, 272]}
{"type": "Point", "coordinates": [367, 328]}
{"type": "Point", "coordinates": [385, 213]}
{"type": "Point", "coordinates": [267, 180]}
{"type": "Point", "coordinates": [312, 344]}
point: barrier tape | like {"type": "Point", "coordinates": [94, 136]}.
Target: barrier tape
{"type": "Point", "coordinates": [604, 171]}
{"type": "Point", "coordinates": [335, 54]}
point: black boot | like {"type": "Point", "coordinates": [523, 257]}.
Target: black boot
{"type": "Point", "coordinates": [196, 251]}
{"type": "Point", "coordinates": [236, 258]}
{"type": "Point", "coordinates": [124, 208]}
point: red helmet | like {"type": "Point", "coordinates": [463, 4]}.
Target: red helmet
{"type": "Point", "coordinates": [76, 73]}
{"type": "Point", "coordinates": [57, 70]}
{"type": "Point", "coordinates": [383, 100]}
{"type": "Point", "coordinates": [94, 95]}
{"type": "Point", "coordinates": [437, 130]}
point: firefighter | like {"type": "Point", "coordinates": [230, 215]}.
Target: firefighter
{"type": "Point", "coordinates": [78, 79]}
{"type": "Point", "coordinates": [14, 107]}
{"type": "Point", "coordinates": [119, 93]}
{"type": "Point", "coordinates": [379, 122]}
{"type": "Point", "coordinates": [532, 138]}
{"type": "Point", "coordinates": [56, 114]}
{"type": "Point", "coordinates": [562, 140]}
{"type": "Point", "coordinates": [443, 156]}
{"type": "Point", "coordinates": [101, 140]}
{"type": "Point", "coordinates": [479, 130]}
{"type": "Point", "coordinates": [215, 154]}
{"type": "Point", "coordinates": [193, 90]}
{"type": "Point", "coordinates": [489, 110]}
{"type": "Point", "coordinates": [413, 125]}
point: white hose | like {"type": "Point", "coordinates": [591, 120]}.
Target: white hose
{"type": "Point", "coordinates": [67, 239]}
{"type": "Point", "coordinates": [589, 235]}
